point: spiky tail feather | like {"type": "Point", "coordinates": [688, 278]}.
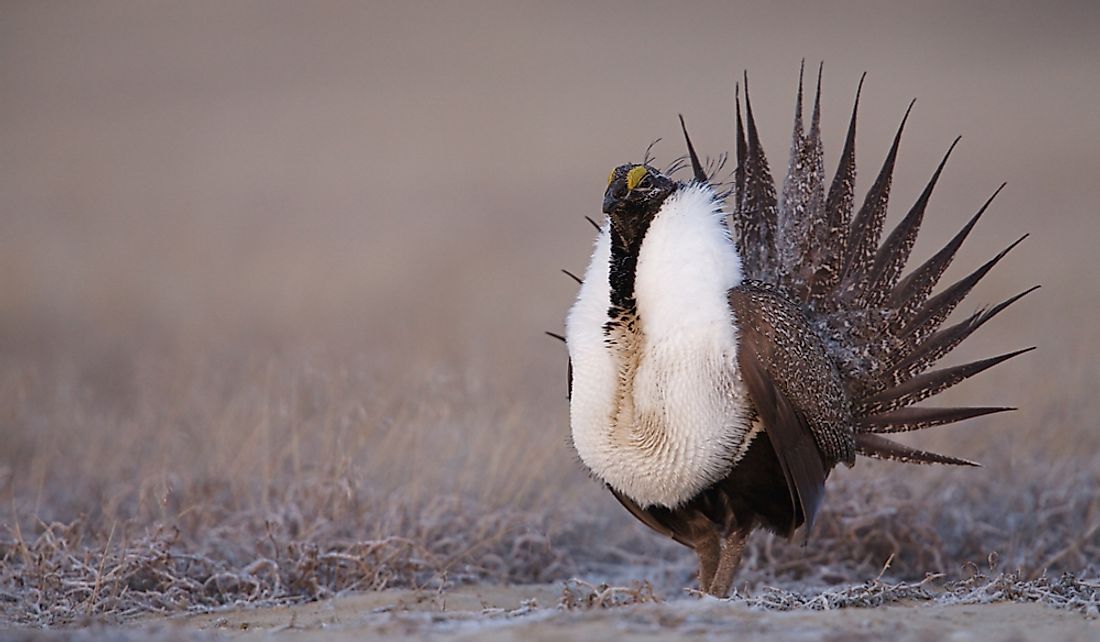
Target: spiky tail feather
{"type": "Point", "coordinates": [883, 330]}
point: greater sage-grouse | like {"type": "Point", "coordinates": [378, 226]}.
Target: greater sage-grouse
{"type": "Point", "coordinates": [721, 369]}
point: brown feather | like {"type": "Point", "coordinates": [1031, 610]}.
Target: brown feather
{"type": "Point", "coordinates": [867, 226]}
{"type": "Point", "coordinates": [755, 213]}
{"type": "Point", "coordinates": [795, 389]}
{"type": "Point", "coordinates": [801, 235]}
{"type": "Point", "coordinates": [933, 313]}
{"type": "Point", "coordinates": [928, 384]}
{"type": "Point", "coordinates": [696, 166]}
{"type": "Point", "coordinates": [791, 438]}
{"type": "Point", "coordinates": [894, 252]}
{"type": "Point", "coordinates": [913, 290]}
{"type": "Point", "coordinates": [924, 354]}
{"type": "Point", "coordinates": [878, 447]}
{"type": "Point", "coordinates": [838, 214]}
{"type": "Point", "coordinates": [917, 418]}
{"type": "Point", "coordinates": [742, 153]}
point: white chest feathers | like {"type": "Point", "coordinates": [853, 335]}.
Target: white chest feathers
{"type": "Point", "coordinates": [658, 411]}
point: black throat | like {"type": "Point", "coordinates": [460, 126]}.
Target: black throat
{"type": "Point", "coordinates": [629, 225]}
{"type": "Point", "coordinates": [635, 193]}
{"type": "Point", "coordinates": [624, 263]}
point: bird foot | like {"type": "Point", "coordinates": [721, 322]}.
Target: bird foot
{"type": "Point", "coordinates": [719, 559]}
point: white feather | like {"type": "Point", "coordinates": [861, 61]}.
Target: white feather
{"type": "Point", "coordinates": [661, 424]}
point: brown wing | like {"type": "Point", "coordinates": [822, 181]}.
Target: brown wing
{"type": "Point", "coordinates": [650, 519]}
{"type": "Point", "coordinates": [796, 390]}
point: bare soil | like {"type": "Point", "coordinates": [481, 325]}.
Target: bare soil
{"type": "Point", "coordinates": [525, 613]}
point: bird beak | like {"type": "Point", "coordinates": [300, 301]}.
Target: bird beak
{"type": "Point", "coordinates": [609, 203]}
{"type": "Point", "coordinates": [614, 195]}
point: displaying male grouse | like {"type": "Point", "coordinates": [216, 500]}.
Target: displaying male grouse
{"type": "Point", "coordinates": [717, 377]}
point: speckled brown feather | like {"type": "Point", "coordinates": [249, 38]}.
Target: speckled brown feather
{"type": "Point", "coordinates": [801, 202]}
{"type": "Point", "coordinates": [796, 391]}
{"type": "Point", "coordinates": [894, 253]}
{"type": "Point", "coordinates": [777, 340]}
{"type": "Point", "coordinates": [881, 330]}
{"type": "Point", "coordinates": [867, 225]}
{"type": "Point", "coordinates": [754, 211]}
{"type": "Point", "coordinates": [827, 261]}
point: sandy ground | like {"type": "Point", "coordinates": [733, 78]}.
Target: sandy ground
{"type": "Point", "coordinates": [531, 613]}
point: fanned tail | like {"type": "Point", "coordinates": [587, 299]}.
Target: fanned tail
{"type": "Point", "coordinates": [882, 328]}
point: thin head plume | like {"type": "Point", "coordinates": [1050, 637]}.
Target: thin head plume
{"type": "Point", "coordinates": [648, 158]}
{"type": "Point", "coordinates": [722, 185]}
{"type": "Point", "coordinates": [714, 166]}
{"type": "Point", "coordinates": [593, 222]}
{"type": "Point", "coordinates": [696, 166]}
{"type": "Point", "coordinates": [677, 164]}
{"type": "Point", "coordinates": [572, 276]}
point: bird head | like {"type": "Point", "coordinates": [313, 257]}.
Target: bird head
{"type": "Point", "coordinates": [634, 195]}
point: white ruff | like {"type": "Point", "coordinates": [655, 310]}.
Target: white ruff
{"type": "Point", "coordinates": [666, 416]}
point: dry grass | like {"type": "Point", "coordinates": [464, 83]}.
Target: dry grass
{"type": "Point", "coordinates": [193, 470]}
{"type": "Point", "coordinates": [60, 577]}
{"type": "Point", "coordinates": [579, 594]}
{"type": "Point", "coordinates": [340, 482]}
{"type": "Point", "coordinates": [301, 506]}
{"type": "Point", "coordinates": [1066, 592]}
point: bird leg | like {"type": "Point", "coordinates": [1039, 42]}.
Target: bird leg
{"type": "Point", "coordinates": [729, 558]}
{"type": "Point", "coordinates": [707, 547]}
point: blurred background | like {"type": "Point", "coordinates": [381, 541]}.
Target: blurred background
{"type": "Point", "coordinates": [244, 242]}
